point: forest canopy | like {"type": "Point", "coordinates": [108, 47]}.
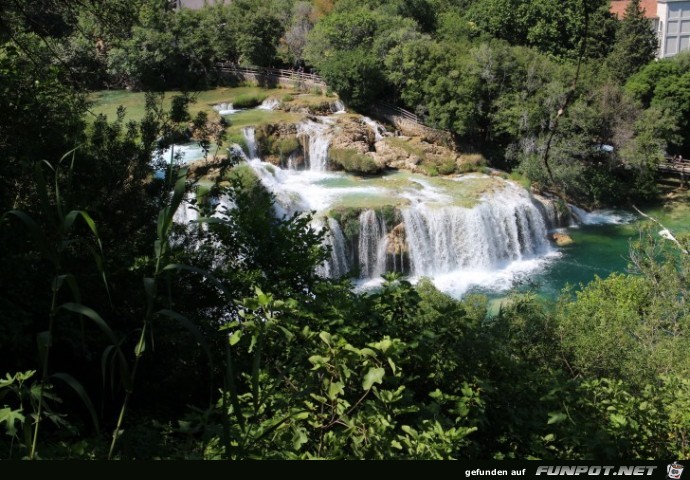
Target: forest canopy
{"type": "Point", "coordinates": [126, 335]}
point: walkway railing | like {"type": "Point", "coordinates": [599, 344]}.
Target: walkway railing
{"type": "Point", "coordinates": [674, 165]}
{"type": "Point", "coordinates": [383, 108]}
{"type": "Point", "coordinates": [229, 67]}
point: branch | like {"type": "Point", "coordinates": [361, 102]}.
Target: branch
{"type": "Point", "coordinates": [666, 233]}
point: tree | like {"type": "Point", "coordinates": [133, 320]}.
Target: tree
{"type": "Point", "coordinates": [636, 43]}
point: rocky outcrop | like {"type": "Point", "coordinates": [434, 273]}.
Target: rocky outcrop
{"type": "Point", "coordinates": [397, 244]}
{"type": "Point", "coordinates": [359, 145]}
{"type": "Point", "coordinates": [210, 168]}
{"type": "Point", "coordinates": [350, 134]}
{"type": "Point", "coordinates": [280, 145]}
{"type": "Point", "coordinates": [562, 239]}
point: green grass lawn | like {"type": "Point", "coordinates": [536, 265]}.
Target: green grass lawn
{"type": "Point", "coordinates": [108, 101]}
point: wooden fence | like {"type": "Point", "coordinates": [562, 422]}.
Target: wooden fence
{"type": "Point", "coordinates": [276, 74]}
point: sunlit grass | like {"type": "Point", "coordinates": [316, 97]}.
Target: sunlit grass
{"type": "Point", "coordinates": [108, 101]}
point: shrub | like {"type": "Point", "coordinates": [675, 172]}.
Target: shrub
{"type": "Point", "coordinates": [249, 100]}
{"type": "Point", "coordinates": [352, 161]}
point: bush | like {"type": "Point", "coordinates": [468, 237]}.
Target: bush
{"type": "Point", "coordinates": [470, 162]}
{"type": "Point", "coordinates": [446, 166]}
{"type": "Point", "coordinates": [284, 147]}
{"type": "Point", "coordinates": [352, 161]}
{"type": "Point", "coordinates": [249, 100]}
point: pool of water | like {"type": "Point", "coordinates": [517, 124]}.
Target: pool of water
{"type": "Point", "coordinates": [598, 250]}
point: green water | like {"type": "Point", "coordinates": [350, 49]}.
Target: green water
{"type": "Point", "coordinates": [598, 250]}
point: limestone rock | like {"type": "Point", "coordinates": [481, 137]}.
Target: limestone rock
{"type": "Point", "coordinates": [396, 240]}
{"type": "Point", "coordinates": [211, 167]}
{"type": "Point", "coordinates": [562, 239]}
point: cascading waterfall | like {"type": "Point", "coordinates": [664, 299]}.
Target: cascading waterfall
{"type": "Point", "coordinates": [372, 245]}
{"type": "Point", "coordinates": [337, 266]}
{"type": "Point", "coordinates": [250, 138]}
{"type": "Point", "coordinates": [375, 127]}
{"type": "Point", "coordinates": [505, 232]}
{"type": "Point", "coordinates": [187, 212]}
{"type": "Point", "coordinates": [337, 107]}
{"type": "Point", "coordinates": [269, 104]}
{"type": "Point", "coordinates": [318, 140]}
{"type": "Point", "coordinates": [504, 227]}
{"type": "Point", "coordinates": [600, 217]}
{"type": "Point", "coordinates": [225, 109]}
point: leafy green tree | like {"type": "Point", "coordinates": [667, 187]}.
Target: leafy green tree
{"type": "Point", "coordinates": [636, 43]}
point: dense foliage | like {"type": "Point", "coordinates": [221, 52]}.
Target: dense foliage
{"type": "Point", "coordinates": [128, 335]}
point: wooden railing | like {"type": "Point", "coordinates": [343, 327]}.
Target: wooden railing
{"type": "Point", "coordinates": [271, 72]}
{"type": "Point", "coordinates": [387, 108]}
{"type": "Point", "coordinates": [383, 108]}
{"type": "Point", "coordinates": [675, 165]}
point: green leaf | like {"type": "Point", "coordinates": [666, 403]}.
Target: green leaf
{"type": "Point", "coordinates": [140, 347]}
{"type": "Point", "coordinates": [299, 438]}
{"type": "Point", "coordinates": [556, 417]}
{"type": "Point", "coordinates": [191, 328]}
{"type": "Point", "coordinates": [335, 389]}
{"type": "Point", "coordinates": [318, 361]}
{"type": "Point", "coordinates": [325, 338]}
{"type": "Point", "coordinates": [264, 300]}
{"type": "Point", "coordinates": [79, 389]}
{"type": "Point", "coordinates": [383, 345]}
{"type": "Point", "coordinates": [374, 375]}
{"type": "Point", "coordinates": [235, 337]}
{"type": "Point", "coordinates": [618, 420]}
{"type": "Point", "coordinates": [91, 314]}
{"type": "Point", "coordinates": [9, 417]}
{"type": "Point", "coordinates": [36, 234]}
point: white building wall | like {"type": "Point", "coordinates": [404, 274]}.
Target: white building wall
{"type": "Point", "coordinates": [673, 27]}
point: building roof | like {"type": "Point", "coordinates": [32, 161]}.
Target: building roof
{"type": "Point", "coordinates": [648, 6]}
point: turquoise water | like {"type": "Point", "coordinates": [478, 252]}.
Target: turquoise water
{"type": "Point", "coordinates": [598, 250]}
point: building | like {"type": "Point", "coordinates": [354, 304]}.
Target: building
{"type": "Point", "coordinates": [673, 27]}
{"type": "Point", "coordinates": [671, 20]}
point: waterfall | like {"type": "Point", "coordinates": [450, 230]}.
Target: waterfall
{"type": "Point", "coordinates": [337, 107]}
{"type": "Point", "coordinates": [372, 244]}
{"type": "Point", "coordinates": [600, 217]}
{"type": "Point", "coordinates": [269, 104]}
{"type": "Point", "coordinates": [224, 109]}
{"type": "Point", "coordinates": [337, 266]}
{"type": "Point", "coordinates": [375, 127]}
{"type": "Point", "coordinates": [318, 140]}
{"type": "Point", "coordinates": [250, 137]}
{"type": "Point", "coordinates": [549, 210]}
{"type": "Point", "coordinates": [504, 227]}
{"type": "Point", "coordinates": [187, 212]}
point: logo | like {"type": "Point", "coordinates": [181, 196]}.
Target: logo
{"type": "Point", "coordinates": [674, 471]}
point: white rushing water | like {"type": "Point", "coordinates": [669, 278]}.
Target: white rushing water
{"type": "Point", "coordinates": [225, 109]}
{"type": "Point", "coordinates": [600, 217]}
{"type": "Point", "coordinates": [372, 244]}
{"type": "Point", "coordinates": [250, 139]}
{"type": "Point", "coordinates": [337, 107]}
{"type": "Point", "coordinates": [505, 227]}
{"type": "Point", "coordinates": [337, 266]}
{"type": "Point", "coordinates": [375, 127]}
{"type": "Point", "coordinates": [500, 239]}
{"type": "Point", "coordinates": [269, 104]}
{"type": "Point", "coordinates": [317, 136]}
